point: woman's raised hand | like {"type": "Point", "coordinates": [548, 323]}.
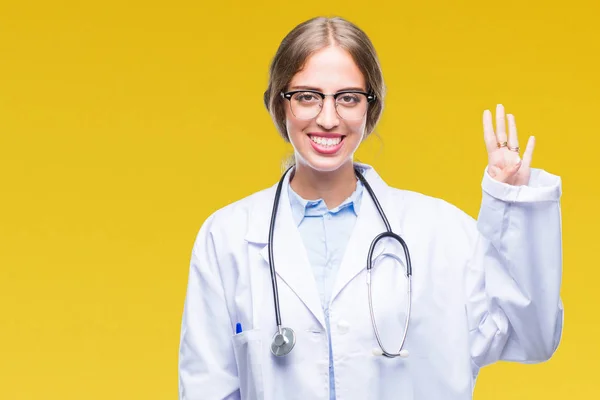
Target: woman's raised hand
{"type": "Point", "coordinates": [504, 163]}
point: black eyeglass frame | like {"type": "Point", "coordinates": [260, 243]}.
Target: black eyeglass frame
{"type": "Point", "coordinates": [288, 95]}
{"type": "Point", "coordinates": [370, 97]}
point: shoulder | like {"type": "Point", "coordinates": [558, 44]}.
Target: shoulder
{"type": "Point", "coordinates": [240, 209]}
{"type": "Point", "coordinates": [435, 226]}
{"type": "Point", "coordinates": [422, 210]}
{"type": "Point", "coordinates": [423, 203]}
{"type": "Point", "coordinates": [437, 216]}
{"type": "Point", "coordinates": [232, 221]}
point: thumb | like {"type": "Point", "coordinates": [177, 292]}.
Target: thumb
{"type": "Point", "coordinates": [494, 171]}
{"type": "Point", "coordinates": [514, 169]}
{"type": "Point", "coordinates": [503, 175]}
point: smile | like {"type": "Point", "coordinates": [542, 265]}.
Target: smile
{"type": "Point", "coordinates": [326, 144]}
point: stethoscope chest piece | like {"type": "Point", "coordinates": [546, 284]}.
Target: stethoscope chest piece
{"type": "Point", "coordinates": [283, 342]}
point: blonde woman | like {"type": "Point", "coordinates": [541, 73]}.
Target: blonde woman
{"type": "Point", "coordinates": [295, 293]}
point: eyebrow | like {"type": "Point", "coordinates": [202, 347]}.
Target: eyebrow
{"type": "Point", "coordinates": [303, 87]}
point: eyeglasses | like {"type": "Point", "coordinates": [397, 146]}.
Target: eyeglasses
{"type": "Point", "coordinates": [350, 105]}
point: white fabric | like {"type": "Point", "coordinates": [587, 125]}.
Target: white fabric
{"type": "Point", "coordinates": [483, 291]}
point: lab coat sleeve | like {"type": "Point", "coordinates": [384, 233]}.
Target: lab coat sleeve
{"type": "Point", "coordinates": [514, 277]}
{"type": "Point", "coordinates": [207, 369]}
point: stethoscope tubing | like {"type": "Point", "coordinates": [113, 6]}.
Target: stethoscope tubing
{"type": "Point", "coordinates": [281, 332]}
{"type": "Point", "coordinates": [270, 248]}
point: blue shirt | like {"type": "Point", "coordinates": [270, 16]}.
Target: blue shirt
{"type": "Point", "coordinates": [325, 234]}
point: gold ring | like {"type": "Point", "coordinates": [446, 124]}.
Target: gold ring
{"type": "Point", "coordinates": [514, 148]}
{"type": "Point", "coordinates": [503, 144]}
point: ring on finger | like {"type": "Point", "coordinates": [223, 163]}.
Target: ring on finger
{"type": "Point", "coordinates": [503, 144]}
{"type": "Point", "coordinates": [515, 149]}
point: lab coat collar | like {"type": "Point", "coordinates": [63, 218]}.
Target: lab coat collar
{"type": "Point", "coordinates": [291, 261]}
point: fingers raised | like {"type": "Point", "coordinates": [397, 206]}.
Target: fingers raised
{"type": "Point", "coordinates": [513, 139]}
{"type": "Point", "coordinates": [528, 154]}
{"type": "Point", "coordinates": [489, 136]}
{"type": "Point", "coordinates": [500, 124]}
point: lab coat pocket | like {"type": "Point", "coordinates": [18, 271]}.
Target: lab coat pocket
{"type": "Point", "coordinates": [248, 351]}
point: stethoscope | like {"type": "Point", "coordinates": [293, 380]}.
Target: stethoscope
{"type": "Point", "coordinates": [285, 338]}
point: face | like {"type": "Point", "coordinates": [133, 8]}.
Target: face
{"type": "Point", "coordinates": [315, 140]}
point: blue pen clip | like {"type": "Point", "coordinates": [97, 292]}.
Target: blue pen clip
{"type": "Point", "coordinates": [238, 328]}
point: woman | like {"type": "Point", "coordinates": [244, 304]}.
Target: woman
{"type": "Point", "coordinates": [481, 291]}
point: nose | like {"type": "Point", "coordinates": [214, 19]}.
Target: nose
{"type": "Point", "coordinates": [328, 117]}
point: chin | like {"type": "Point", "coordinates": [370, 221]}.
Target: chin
{"type": "Point", "coordinates": [324, 164]}
{"type": "Point", "coordinates": [309, 156]}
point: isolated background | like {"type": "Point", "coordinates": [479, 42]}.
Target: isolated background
{"type": "Point", "coordinates": [124, 124]}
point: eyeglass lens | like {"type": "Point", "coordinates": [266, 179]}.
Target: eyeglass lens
{"type": "Point", "coordinates": [349, 106]}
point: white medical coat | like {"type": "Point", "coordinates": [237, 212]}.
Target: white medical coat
{"type": "Point", "coordinates": [483, 291]}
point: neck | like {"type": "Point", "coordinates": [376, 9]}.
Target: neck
{"type": "Point", "coordinates": [332, 186]}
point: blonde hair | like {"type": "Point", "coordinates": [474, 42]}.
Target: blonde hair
{"type": "Point", "coordinates": [309, 37]}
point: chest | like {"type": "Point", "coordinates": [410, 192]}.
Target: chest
{"type": "Point", "coordinates": [436, 298]}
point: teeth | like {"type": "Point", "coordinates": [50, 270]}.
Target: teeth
{"type": "Point", "coordinates": [326, 141]}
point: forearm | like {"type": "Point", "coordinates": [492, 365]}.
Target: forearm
{"type": "Point", "coordinates": [517, 314]}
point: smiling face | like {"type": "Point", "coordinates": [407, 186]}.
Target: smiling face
{"type": "Point", "coordinates": [326, 142]}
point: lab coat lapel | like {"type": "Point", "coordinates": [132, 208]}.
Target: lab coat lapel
{"type": "Point", "coordinates": [368, 225]}
{"type": "Point", "coordinates": [291, 261]}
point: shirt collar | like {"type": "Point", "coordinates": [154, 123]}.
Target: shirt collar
{"type": "Point", "coordinates": [312, 208]}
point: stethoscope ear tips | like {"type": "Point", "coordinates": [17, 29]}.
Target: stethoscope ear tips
{"type": "Point", "coordinates": [377, 351]}
{"type": "Point", "coordinates": [404, 353]}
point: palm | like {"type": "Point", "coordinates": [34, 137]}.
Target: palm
{"type": "Point", "coordinates": [504, 163]}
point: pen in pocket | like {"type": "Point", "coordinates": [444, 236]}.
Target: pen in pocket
{"type": "Point", "coordinates": [238, 328]}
